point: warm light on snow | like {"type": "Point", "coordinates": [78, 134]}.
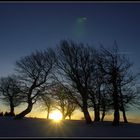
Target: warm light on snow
{"type": "Point", "coordinates": [56, 115]}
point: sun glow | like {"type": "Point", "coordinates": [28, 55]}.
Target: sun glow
{"type": "Point", "coordinates": [56, 116]}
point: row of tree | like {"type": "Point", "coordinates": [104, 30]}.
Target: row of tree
{"type": "Point", "coordinates": [74, 75]}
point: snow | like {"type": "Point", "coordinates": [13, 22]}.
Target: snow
{"type": "Point", "coordinates": [42, 128]}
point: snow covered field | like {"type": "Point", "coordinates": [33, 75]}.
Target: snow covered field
{"type": "Point", "coordinates": [33, 127]}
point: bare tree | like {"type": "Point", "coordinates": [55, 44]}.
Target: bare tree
{"type": "Point", "coordinates": [76, 65]}
{"type": "Point", "coordinates": [106, 101]}
{"type": "Point", "coordinates": [10, 90]}
{"type": "Point", "coordinates": [72, 107]}
{"type": "Point", "coordinates": [128, 97]}
{"type": "Point", "coordinates": [117, 69]}
{"type": "Point", "coordinates": [47, 102]}
{"type": "Point", "coordinates": [95, 91]}
{"type": "Point", "coordinates": [34, 71]}
{"type": "Point", "coordinates": [63, 101]}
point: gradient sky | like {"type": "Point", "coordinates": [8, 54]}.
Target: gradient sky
{"type": "Point", "coordinates": [25, 27]}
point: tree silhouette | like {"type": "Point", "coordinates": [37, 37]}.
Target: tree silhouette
{"type": "Point", "coordinates": [34, 71]}
{"type": "Point", "coordinates": [129, 97]}
{"type": "Point", "coordinates": [106, 101]}
{"type": "Point", "coordinates": [10, 90]}
{"type": "Point", "coordinates": [47, 102]}
{"type": "Point", "coordinates": [95, 89]}
{"type": "Point", "coordinates": [63, 100]}
{"type": "Point", "coordinates": [116, 68]}
{"type": "Point", "coordinates": [75, 75]}
{"type": "Point", "coordinates": [75, 62]}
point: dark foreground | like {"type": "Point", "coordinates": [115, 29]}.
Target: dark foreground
{"type": "Point", "coordinates": [47, 128]}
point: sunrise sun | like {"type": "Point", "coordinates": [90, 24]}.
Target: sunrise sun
{"type": "Point", "coordinates": [56, 116]}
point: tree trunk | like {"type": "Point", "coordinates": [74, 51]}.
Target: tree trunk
{"type": "Point", "coordinates": [85, 110]}
{"type": "Point", "coordinates": [11, 108]}
{"type": "Point", "coordinates": [25, 112]}
{"type": "Point", "coordinates": [124, 116]}
{"type": "Point", "coordinates": [103, 115]}
{"type": "Point", "coordinates": [116, 105]}
{"type": "Point", "coordinates": [116, 113]}
{"type": "Point", "coordinates": [96, 113]}
{"type": "Point", "coordinates": [48, 114]}
{"type": "Point", "coordinates": [116, 118]}
{"type": "Point", "coordinates": [122, 107]}
{"type": "Point", "coordinates": [86, 115]}
{"type": "Point", "coordinates": [98, 105]}
{"type": "Point", "coordinates": [63, 114]}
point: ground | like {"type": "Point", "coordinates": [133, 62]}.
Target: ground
{"type": "Point", "coordinates": [35, 127]}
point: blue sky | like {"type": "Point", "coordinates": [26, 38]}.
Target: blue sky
{"type": "Point", "coordinates": [25, 27]}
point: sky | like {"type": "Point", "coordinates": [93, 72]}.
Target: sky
{"type": "Point", "coordinates": [26, 27]}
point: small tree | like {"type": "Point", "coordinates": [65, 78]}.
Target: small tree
{"type": "Point", "coordinates": [106, 103]}
{"type": "Point", "coordinates": [128, 97]}
{"type": "Point", "coordinates": [71, 108]}
{"type": "Point", "coordinates": [46, 101]}
{"type": "Point", "coordinates": [10, 90]}
{"type": "Point", "coordinates": [64, 101]}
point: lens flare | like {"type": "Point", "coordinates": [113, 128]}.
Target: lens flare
{"type": "Point", "coordinates": [80, 27]}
